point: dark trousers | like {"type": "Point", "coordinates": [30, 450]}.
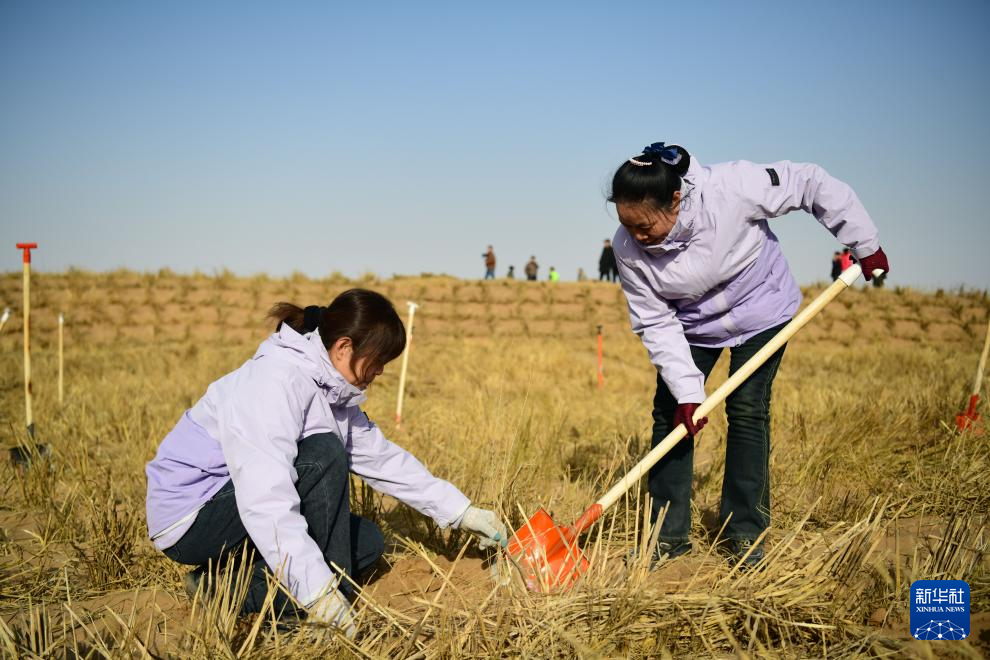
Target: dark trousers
{"type": "Point", "coordinates": [351, 542]}
{"type": "Point", "coordinates": [746, 483]}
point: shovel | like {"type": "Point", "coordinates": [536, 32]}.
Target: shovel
{"type": "Point", "coordinates": [548, 555]}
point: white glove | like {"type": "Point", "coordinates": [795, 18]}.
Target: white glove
{"type": "Point", "coordinates": [335, 610]}
{"type": "Point", "coordinates": [483, 523]}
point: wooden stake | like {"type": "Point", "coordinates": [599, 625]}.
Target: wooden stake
{"type": "Point", "coordinates": [61, 360]}
{"type": "Point", "coordinates": [3, 319]}
{"type": "Point", "coordinates": [405, 363]}
{"type": "Point", "coordinates": [601, 363]}
{"type": "Point", "coordinates": [29, 416]}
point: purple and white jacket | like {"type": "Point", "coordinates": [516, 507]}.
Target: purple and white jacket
{"type": "Point", "coordinates": [247, 428]}
{"type": "Point", "coordinates": [720, 277]}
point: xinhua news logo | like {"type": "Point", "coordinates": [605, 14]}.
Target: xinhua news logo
{"type": "Point", "coordinates": [939, 609]}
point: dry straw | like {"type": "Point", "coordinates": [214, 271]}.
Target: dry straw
{"type": "Point", "coordinates": [871, 490]}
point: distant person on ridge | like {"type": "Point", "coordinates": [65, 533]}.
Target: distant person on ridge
{"type": "Point", "coordinates": [836, 265]}
{"type": "Point", "coordinates": [554, 275]}
{"type": "Point", "coordinates": [531, 269]}
{"type": "Point", "coordinates": [607, 269]}
{"type": "Point", "coordinates": [511, 275]}
{"type": "Point", "coordinates": [489, 258]}
{"type": "Point", "coordinates": [701, 270]}
{"type": "Point", "coordinates": [263, 461]}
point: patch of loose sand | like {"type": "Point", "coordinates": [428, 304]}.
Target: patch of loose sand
{"type": "Point", "coordinates": [412, 582]}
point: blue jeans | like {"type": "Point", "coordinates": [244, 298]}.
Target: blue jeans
{"type": "Point", "coordinates": [351, 542]}
{"type": "Point", "coordinates": [746, 483]}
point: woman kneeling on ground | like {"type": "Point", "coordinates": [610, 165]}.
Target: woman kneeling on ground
{"type": "Point", "coordinates": [702, 271]}
{"type": "Point", "coordinates": [262, 461]}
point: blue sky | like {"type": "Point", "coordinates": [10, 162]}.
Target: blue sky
{"type": "Point", "coordinates": [405, 137]}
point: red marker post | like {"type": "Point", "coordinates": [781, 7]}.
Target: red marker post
{"type": "Point", "coordinates": [29, 417]}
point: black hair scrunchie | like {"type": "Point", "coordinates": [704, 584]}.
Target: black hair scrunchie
{"type": "Point", "coordinates": [311, 317]}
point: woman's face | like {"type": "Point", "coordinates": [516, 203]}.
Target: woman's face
{"type": "Point", "coordinates": [359, 375]}
{"type": "Point", "coordinates": [646, 223]}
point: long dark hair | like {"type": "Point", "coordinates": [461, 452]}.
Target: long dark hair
{"type": "Point", "coordinates": [653, 183]}
{"type": "Point", "coordinates": [366, 317]}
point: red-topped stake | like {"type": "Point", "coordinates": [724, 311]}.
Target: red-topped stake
{"type": "Point", "coordinates": [27, 247]}
{"type": "Point", "coordinates": [29, 416]}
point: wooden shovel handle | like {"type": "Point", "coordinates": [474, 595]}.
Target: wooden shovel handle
{"type": "Point", "coordinates": [848, 277]}
{"type": "Point", "coordinates": [978, 381]}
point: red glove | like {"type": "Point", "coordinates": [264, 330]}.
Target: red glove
{"type": "Point", "coordinates": [876, 260]}
{"type": "Point", "coordinates": [684, 413]}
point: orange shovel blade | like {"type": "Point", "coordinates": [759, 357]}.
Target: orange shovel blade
{"type": "Point", "coordinates": [547, 554]}
{"type": "Point", "coordinates": [970, 419]}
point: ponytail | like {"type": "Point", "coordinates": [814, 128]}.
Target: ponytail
{"type": "Point", "coordinates": [299, 319]}
{"type": "Point", "coordinates": [289, 314]}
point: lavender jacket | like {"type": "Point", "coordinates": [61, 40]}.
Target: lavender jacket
{"type": "Point", "coordinates": [720, 277]}
{"type": "Point", "coordinates": [247, 428]}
